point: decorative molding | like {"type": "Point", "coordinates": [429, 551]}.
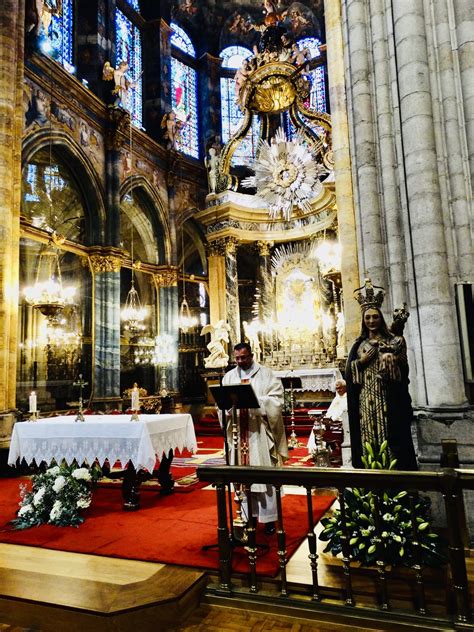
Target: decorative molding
{"type": "Point", "coordinates": [166, 277]}
{"type": "Point", "coordinates": [105, 259]}
{"type": "Point", "coordinates": [231, 244]}
{"type": "Point", "coordinates": [119, 124]}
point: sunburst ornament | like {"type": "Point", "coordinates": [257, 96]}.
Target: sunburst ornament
{"type": "Point", "coordinates": [286, 175]}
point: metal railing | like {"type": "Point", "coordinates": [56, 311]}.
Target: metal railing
{"type": "Point", "coordinates": [449, 482]}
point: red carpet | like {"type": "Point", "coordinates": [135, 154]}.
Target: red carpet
{"type": "Point", "coordinates": [170, 529]}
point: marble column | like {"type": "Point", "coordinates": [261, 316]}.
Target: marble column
{"type": "Point", "coordinates": [438, 360]}
{"type": "Point", "coordinates": [166, 283]}
{"type": "Point", "coordinates": [118, 131]}
{"type": "Point", "coordinates": [105, 264]}
{"type": "Point", "coordinates": [217, 281]}
{"type": "Point", "coordinates": [11, 130]}
{"type": "Point", "coordinates": [342, 166]}
{"type": "Point", "coordinates": [232, 290]}
{"type": "Point", "coordinates": [263, 279]}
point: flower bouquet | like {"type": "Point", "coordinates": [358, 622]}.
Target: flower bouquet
{"type": "Point", "coordinates": [57, 497]}
{"type": "Point", "coordinates": [396, 531]}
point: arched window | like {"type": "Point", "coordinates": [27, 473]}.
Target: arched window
{"type": "Point", "coordinates": [184, 90]}
{"type": "Point", "coordinates": [134, 4]}
{"type": "Point", "coordinates": [317, 97]}
{"type": "Point", "coordinates": [128, 48]}
{"type": "Point", "coordinates": [231, 115]}
{"type": "Point", "coordinates": [57, 27]}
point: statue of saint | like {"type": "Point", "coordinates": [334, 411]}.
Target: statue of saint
{"type": "Point", "coordinates": [212, 165]}
{"type": "Point", "coordinates": [379, 403]}
{"type": "Point", "coordinates": [172, 127]}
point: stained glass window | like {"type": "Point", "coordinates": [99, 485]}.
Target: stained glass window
{"type": "Point", "coordinates": [180, 39]}
{"type": "Point", "coordinates": [231, 115]}
{"type": "Point", "coordinates": [233, 56]}
{"type": "Point", "coordinates": [57, 31]}
{"type": "Point", "coordinates": [134, 4]}
{"type": "Point", "coordinates": [317, 97]}
{"type": "Point", "coordinates": [128, 48]}
{"type": "Point", "coordinates": [184, 94]}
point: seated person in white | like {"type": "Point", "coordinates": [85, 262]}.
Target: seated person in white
{"type": "Point", "coordinates": [262, 432]}
{"type": "Point", "coordinates": [337, 411]}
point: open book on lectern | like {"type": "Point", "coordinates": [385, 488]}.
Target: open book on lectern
{"type": "Point", "coordinates": [234, 396]}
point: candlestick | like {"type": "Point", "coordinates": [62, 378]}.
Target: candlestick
{"type": "Point", "coordinates": [135, 402]}
{"type": "Point", "coordinates": [33, 402]}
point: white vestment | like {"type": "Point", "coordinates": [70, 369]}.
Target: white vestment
{"type": "Point", "coordinates": [267, 444]}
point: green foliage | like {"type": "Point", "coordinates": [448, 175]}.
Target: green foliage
{"type": "Point", "coordinates": [57, 497]}
{"type": "Point", "coordinates": [393, 540]}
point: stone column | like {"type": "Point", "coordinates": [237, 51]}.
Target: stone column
{"type": "Point", "coordinates": [217, 281]}
{"type": "Point", "coordinates": [453, 131]}
{"type": "Point", "coordinates": [117, 132]}
{"type": "Point", "coordinates": [209, 98]}
{"type": "Point", "coordinates": [105, 264]}
{"type": "Point", "coordinates": [462, 19]}
{"type": "Point", "coordinates": [11, 130]}
{"type": "Point", "coordinates": [364, 144]}
{"type": "Point", "coordinates": [382, 57]}
{"type": "Point", "coordinates": [342, 166]}
{"type": "Point", "coordinates": [438, 356]}
{"type": "Point", "coordinates": [93, 44]}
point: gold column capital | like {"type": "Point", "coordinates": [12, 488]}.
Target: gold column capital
{"type": "Point", "coordinates": [216, 248]}
{"type": "Point", "coordinates": [105, 259]}
{"type": "Point", "coordinates": [263, 248]}
{"type": "Point", "coordinates": [231, 244]}
{"type": "Point", "coordinates": [166, 277]}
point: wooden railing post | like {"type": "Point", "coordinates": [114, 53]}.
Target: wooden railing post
{"type": "Point", "coordinates": [450, 458]}
{"type": "Point", "coordinates": [453, 499]}
{"type": "Point", "coordinates": [223, 539]}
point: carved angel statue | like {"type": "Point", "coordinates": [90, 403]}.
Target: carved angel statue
{"type": "Point", "coordinates": [122, 81]}
{"type": "Point", "coordinates": [212, 165]}
{"type": "Point", "coordinates": [173, 126]}
{"type": "Point", "coordinates": [219, 335]}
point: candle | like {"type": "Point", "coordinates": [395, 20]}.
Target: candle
{"type": "Point", "coordinates": [33, 408]}
{"type": "Point", "coordinates": [135, 398]}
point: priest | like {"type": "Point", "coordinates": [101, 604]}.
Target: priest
{"type": "Point", "coordinates": [262, 439]}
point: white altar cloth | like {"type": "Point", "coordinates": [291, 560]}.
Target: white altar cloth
{"type": "Point", "coordinates": [314, 379]}
{"type": "Point", "coordinates": [101, 437]}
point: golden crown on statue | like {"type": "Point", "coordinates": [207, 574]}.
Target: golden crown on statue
{"type": "Point", "coordinates": [369, 295]}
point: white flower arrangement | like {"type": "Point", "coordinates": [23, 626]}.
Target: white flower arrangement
{"type": "Point", "coordinates": [57, 497]}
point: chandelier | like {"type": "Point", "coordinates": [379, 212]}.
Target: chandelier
{"type": "Point", "coordinates": [185, 320]}
{"type": "Point", "coordinates": [134, 313]}
{"type": "Point", "coordinates": [48, 294]}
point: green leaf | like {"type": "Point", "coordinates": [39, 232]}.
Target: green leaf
{"type": "Point", "coordinates": [402, 551]}
{"type": "Point", "coordinates": [353, 540]}
{"type": "Point", "coordinates": [383, 447]}
{"type": "Point", "coordinates": [369, 449]}
{"type": "Point", "coordinates": [423, 526]}
{"type": "Point", "coordinates": [372, 548]}
{"type": "Point", "coordinates": [400, 495]}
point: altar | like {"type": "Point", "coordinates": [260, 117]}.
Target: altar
{"type": "Point", "coordinates": [314, 380]}
{"type": "Point", "coordinates": [107, 439]}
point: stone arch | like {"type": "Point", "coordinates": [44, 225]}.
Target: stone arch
{"type": "Point", "coordinates": [83, 171]}
{"type": "Point", "coordinates": [160, 234]}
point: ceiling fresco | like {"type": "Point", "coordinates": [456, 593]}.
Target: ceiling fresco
{"type": "Point", "coordinates": [229, 22]}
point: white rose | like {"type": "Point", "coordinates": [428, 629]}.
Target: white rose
{"type": "Point", "coordinates": [56, 510]}
{"type": "Point", "coordinates": [59, 484]}
{"type": "Point", "coordinates": [82, 473]}
{"type": "Point", "coordinates": [53, 471]}
{"type": "Point", "coordinates": [83, 503]}
{"type": "Point", "coordinates": [38, 497]}
{"type": "Point", "coordinates": [24, 510]}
